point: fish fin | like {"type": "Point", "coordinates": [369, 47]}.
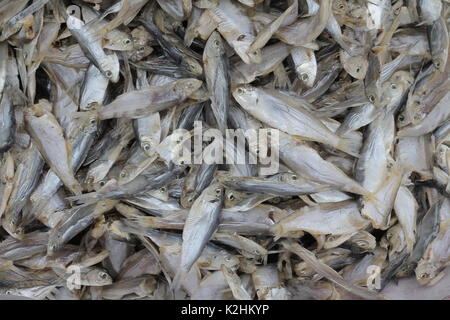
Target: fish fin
{"type": "Point", "coordinates": [341, 130]}
{"type": "Point", "coordinates": [350, 146]}
{"type": "Point", "coordinates": [422, 23]}
{"type": "Point", "coordinates": [6, 264]}
{"type": "Point", "coordinates": [84, 198]}
{"type": "Point", "coordinates": [143, 221]}
{"type": "Point", "coordinates": [277, 231]}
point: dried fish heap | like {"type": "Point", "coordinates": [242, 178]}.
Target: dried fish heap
{"type": "Point", "coordinates": [224, 149]}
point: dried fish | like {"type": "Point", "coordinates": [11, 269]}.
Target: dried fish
{"type": "Point", "coordinates": [232, 149]}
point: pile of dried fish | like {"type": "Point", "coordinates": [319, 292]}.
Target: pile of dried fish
{"type": "Point", "coordinates": [343, 190]}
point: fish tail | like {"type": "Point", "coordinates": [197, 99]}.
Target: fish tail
{"type": "Point", "coordinates": [277, 231]}
{"type": "Point", "coordinates": [84, 198]}
{"type": "Point", "coordinates": [76, 189]}
{"type": "Point", "coordinates": [176, 282]}
{"type": "Point", "coordinates": [350, 146]}
{"type": "Point", "coordinates": [369, 197]}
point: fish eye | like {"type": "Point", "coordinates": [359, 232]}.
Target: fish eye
{"type": "Point", "coordinates": [103, 275]}
{"type": "Point", "coordinates": [227, 258]}
{"type": "Point", "coordinates": [372, 98]}
{"type": "Point", "coordinates": [358, 69]}
{"type": "Point", "coordinates": [163, 189]}
{"type": "Point", "coordinates": [102, 183]}
{"type": "Point", "coordinates": [240, 90]}
{"type": "Point", "coordinates": [294, 177]}
{"type": "Point", "coordinates": [182, 162]}
{"type": "Point", "coordinates": [401, 117]}
{"type": "Point", "coordinates": [127, 41]}
{"type": "Point", "coordinates": [146, 147]}
{"type": "Point", "coordinates": [190, 200]}
{"type": "Point", "coordinates": [216, 43]}
{"type": "Point", "coordinates": [123, 174]}
{"type": "Point", "coordinates": [231, 197]}
{"type": "Point", "coordinates": [218, 191]}
{"type": "Point", "coordinates": [108, 73]}
{"type": "Point", "coordinates": [393, 86]}
{"type": "Point", "coordinates": [92, 121]}
{"type": "Point", "coordinates": [437, 63]}
{"type": "Point", "coordinates": [304, 76]}
{"type": "Point", "coordinates": [361, 244]}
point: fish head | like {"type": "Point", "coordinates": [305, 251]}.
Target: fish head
{"type": "Point", "coordinates": [403, 77]}
{"type": "Point", "coordinates": [425, 272]}
{"type": "Point", "coordinates": [189, 86]}
{"type": "Point", "coordinates": [290, 178]}
{"type": "Point", "coordinates": [103, 206]}
{"type": "Point", "coordinates": [356, 66]}
{"type": "Point", "coordinates": [98, 277]}
{"type": "Point", "coordinates": [110, 67]}
{"type": "Point", "coordinates": [225, 258]}
{"type": "Point", "coordinates": [404, 118]}
{"type": "Point", "coordinates": [119, 41]}
{"type": "Point", "coordinates": [214, 192]}
{"type": "Point", "coordinates": [373, 95]}
{"type": "Point", "coordinates": [307, 74]}
{"type": "Point", "coordinates": [363, 242]}
{"type": "Point", "coordinates": [188, 198]}
{"type": "Point", "coordinates": [149, 144]}
{"type": "Point", "coordinates": [303, 270]}
{"type": "Point", "coordinates": [437, 62]}
{"type": "Point", "coordinates": [441, 156]}
{"type": "Point", "coordinates": [339, 7]}
{"type": "Point", "coordinates": [215, 46]}
{"type": "Point", "coordinates": [391, 91]}
{"type": "Point", "coordinates": [54, 243]}
{"type": "Point", "coordinates": [255, 56]}
{"type": "Point", "coordinates": [245, 95]}
{"type": "Point", "coordinates": [193, 66]}
{"type": "Point", "coordinates": [233, 197]}
{"type": "Point", "coordinates": [125, 176]}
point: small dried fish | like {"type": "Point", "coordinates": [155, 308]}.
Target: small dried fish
{"type": "Point", "coordinates": [232, 149]}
